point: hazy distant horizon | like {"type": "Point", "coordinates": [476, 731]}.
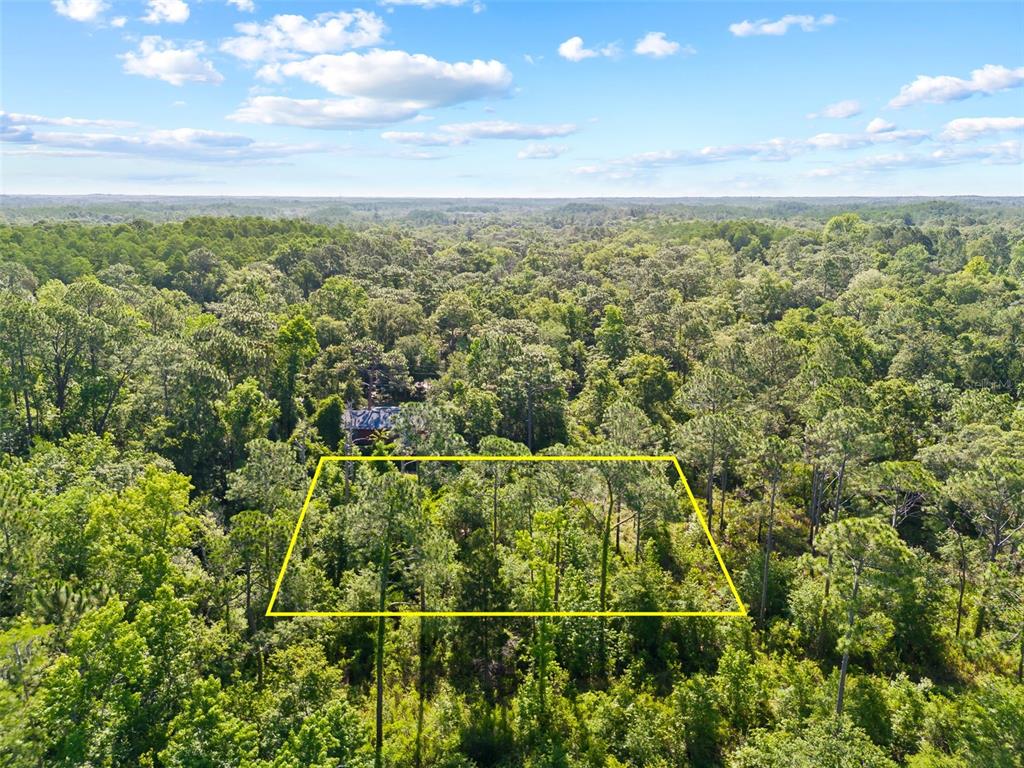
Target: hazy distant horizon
{"type": "Point", "coordinates": [125, 196]}
{"type": "Point", "coordinates": [414, 211]}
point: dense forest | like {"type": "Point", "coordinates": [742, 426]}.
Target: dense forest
{"type": "Point", "coordinates": [841, 383]}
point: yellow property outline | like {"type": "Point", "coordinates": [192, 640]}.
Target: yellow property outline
{"type": "Point", "coordinates": [741, 611]}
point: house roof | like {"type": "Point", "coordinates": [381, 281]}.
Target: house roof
{"type": "Point", "coordinates": [370, 419]}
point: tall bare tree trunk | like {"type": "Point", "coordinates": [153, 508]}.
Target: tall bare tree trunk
{"type": "Point", "coordinates": [1020, 659]}
{"type": "Point", "coordinates": [421, 682]}
{"type": "Point", "coordinates": [844, 666]}
{"type": "Point", "coordinates": [835, 519]}
{"type": "Point", "coordinates": [768, 549]}
{"type": "Point", "coordinates": [605, 546]}
{"type": "Point", "coordinates": [558, 563]}
{"type": "Point", "coordinates": [725, 490]}
{"type": "Point", "coordinates": [249, 623]}
{"type": "Point", "coordinates": [636, 528]}
{"type": "Point", "coordinates": [709, 489]}
{"type": "Point", "coordinates": [813, 511]}
{"type": "Point", "coordinates": [618, 527]}
{"type": "Point", "coordinates": [494, 509]}
{"type": "Point", "coordinates": [378, 746]}
{"type": "Point", "coordinates": [963, 582]}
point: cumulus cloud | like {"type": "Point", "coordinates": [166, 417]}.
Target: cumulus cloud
{"type": "Point", "coordinates": [397, 76]}
{"type": "Point", "coordinates": [839, 110]}
{"type": "Point", "coordinates": [161, 59]}
{"type": "Point", "coordinates": [246, 6]}
{"type": "Point", "coordinates": [657, 45]}
{"type": "Point", "coordinates": [967, 128]}
{"type": "Point", "coordinates": [80, 10]}
{"type": "Point", "coordinates": [878, 125]}
{"type": "Point", "coordinates": [781, 26]}
{"type": "Point", "coordinates": [574, 50]}
{"type": "Point", "coordinates": [289, 36]}
{"type": "Point", "coordinates": [455, 134]}
{"type": "Point", "coordinates": [173, 11]}
{"type": "Point", "coordinates": [324, 113]}
{"type": "Point", "coordinates": [990, 79]}
{"type": "Point", "coordinates": [119, 21]}
{"type": "Point", "coordinates": [380, 88]}
{"type": "Point", "coordinates": [542, 152]}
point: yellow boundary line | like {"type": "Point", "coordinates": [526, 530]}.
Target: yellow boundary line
{"type": "Point", "coordinates": [741, 611]}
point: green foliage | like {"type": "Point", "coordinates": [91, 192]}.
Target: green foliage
{"type": "Point", "coordinates": [841, 383]}
{"type": "Point", "coordinates": [822, 745]}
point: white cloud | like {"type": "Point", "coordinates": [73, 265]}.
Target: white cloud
{"type": "Point", "coordinates": [173, 11]}
{"type": "Point", "coordinates": [16, 118]}
{"type": "Point", "coordinates": [119, 21]}
{"type": "Point", "coordinates": [639, 164]}
{"type": "Point", "coordinates": [967, 128]}
{"type": "Point", "coordinates": [1004, 153]}
{"type": "Point", "coordinates": [80, 10]}
{"type": "Point", "coordinates": [574, 50]}
{"type": "Point", "coordinates": [823, 173]}
{"type": "Point", "coordinates": [780, 27]}
{"type": "Point", "coordinates": [773, 150]}
{"type": "Point", "coordinates": [839, 110]}
{"type": "Point", "coordinates": [382, 87]}
{"type": "Point", "coordinates": [422, 139]}
{"type": "Point", "coordinates": [859, 140]}
{"type": "Point", "coordinates": [990, 79]}
{"type": "Point", "coordinates": [159, 58]}
{"type": "Point", "coordinates": [415, 154]}
{"type": "Point", "coordinates": [430, 3]}
{"type": "Point", "coordinates": [891, 162]}
{"type": "Point", "coordinates": [324, 113]}
{"type": "Point", "coordinates": [455, 134]}
{"type": "Point", "coordinates": [500, 129]}
{"type": "Point", "coordinates": [542, 152]}
{"type": "Point", "coordinates": [287, 36]}
{"type": "Point", "coordinates": [397, 76]}
{"type": "Point", "coordinates": [176, 145]}
{"type": "Point", "coordinates": [878, 125]}
{"type": "Point", "coordinates": [655, 44]}
{"type": "Point", "coordinates": [246, 6]}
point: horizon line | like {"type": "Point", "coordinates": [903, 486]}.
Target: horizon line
{"type": "Point", "coordinates": [508, 197]}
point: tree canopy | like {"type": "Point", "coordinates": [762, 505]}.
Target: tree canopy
{"type": "Point", "coordinates": [841, 381]}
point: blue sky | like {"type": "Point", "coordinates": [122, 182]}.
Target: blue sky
{"type": "Point", "coordinates": [464, 98]}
